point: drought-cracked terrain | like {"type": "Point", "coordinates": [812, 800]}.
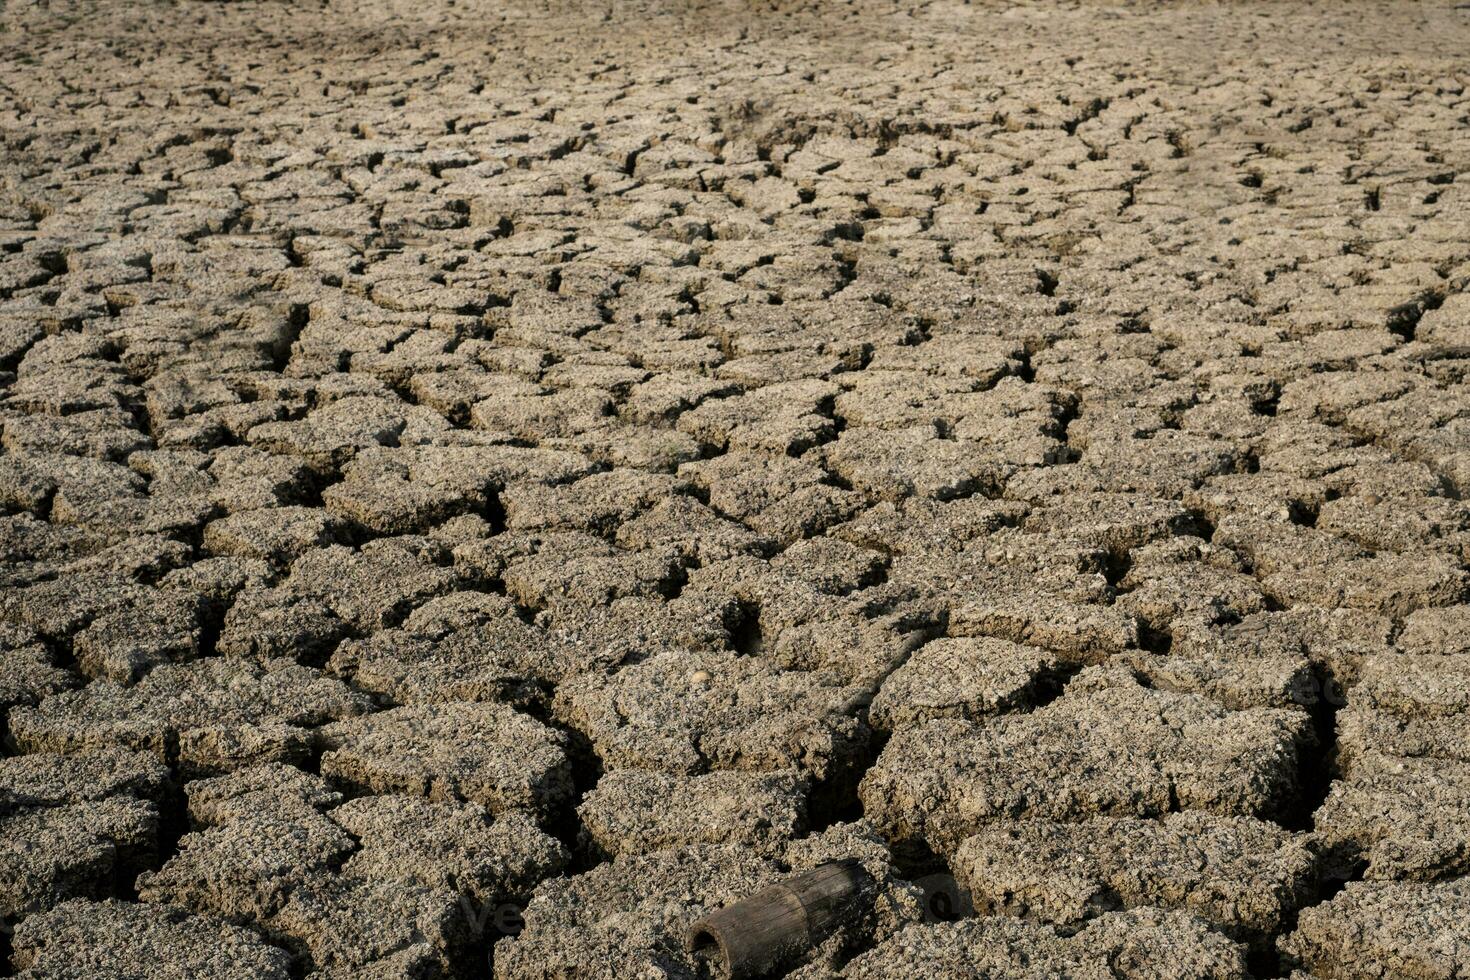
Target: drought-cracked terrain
{"type": "Point", "coordinates": [485, 483]}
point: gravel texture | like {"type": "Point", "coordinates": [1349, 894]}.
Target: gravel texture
{"type": "Point", "coordinates": [483, 485]}
{"type": "Point", "coordinates": [1141, 945]}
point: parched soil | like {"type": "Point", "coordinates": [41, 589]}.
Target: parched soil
{"type": "Point", "coordinates": [487, 482]}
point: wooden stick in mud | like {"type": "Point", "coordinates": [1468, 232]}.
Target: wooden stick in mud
{"type": "Point", "coordinates": [776, 925]}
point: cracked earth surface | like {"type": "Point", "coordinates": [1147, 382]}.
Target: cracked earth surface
{"type": "Point", "coordinates": [486, 483]}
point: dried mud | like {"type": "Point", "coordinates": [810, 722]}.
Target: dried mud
{"type": "Point", "coordinates": [485, 484]}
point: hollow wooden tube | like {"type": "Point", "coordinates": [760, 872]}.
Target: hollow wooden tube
{"type": "Point", "coordinates": [768, 930]}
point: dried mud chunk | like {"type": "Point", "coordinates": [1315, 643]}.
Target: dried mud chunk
{"type": "Point", "coordinates": [1402, 525]}
{"type": "Point", "coordinates": [741, 485]}
{"type": "Point", "coordinates": [1398, 818]}
{"type": "Point", "coordinates": [633, 811]}
{"type": "Point", "coordinates": [1363, 730]}
{"type": "Point", "coordinates": [1231, 673]}
{"type": "Point", "coordinates": [122, 517]}
{"type": "Point", "coordinates": [575, 574]}
{"type": "Point", "coordinates": [488, 656]}
{"type": "Point", "coordinates": [1027, 416]}
{"type": "Point", "coordinates": [1243, 876]}
{"type": "Point", "coordinates": [330, 436]}
{"type": "Point", "coordinates": [962, 677]}
{"type": "Point", "coordinates": [1167, 464]}
{"type": "Point", "coordinates": [1415, 685]}
{"type": "Point", "coordinates": [780, 368]}
{"type": "Point", "coordinates": [918, 525]}
{"type": "Point", "coordinates": [636, 447]}
{"type": "Point", "coordinates": [1057, 562]}
{"type": "Point", "coordinates": [448, 846]}
{"type": "Point", "coordinates": [279, 851]}
{"type": "Point", "coordinates": [831, 565]}
{"type": "Point", "coordinates": [217, 581]}
{"type": "Point", "coordinates": [1351, 470]}
{"type": "Point", "coordinates": [247, 869]}
{"type": "Point", "coordinates": [1419, 410]}
{"type": "Point", "coordinates": [1107, 747]}
{"type": "Point", "coordinates": [28, 670]}
{"type": "Point", "coordinates": [34, 552]}
{"type": "Point", "coordinates": [470, 473]}
{"type": "Point", "coordinates": [476, 642]}
{"type": "Point", "coordinates": [174, 395]}
{"type": "Point", "coordinates": [604, 370]}
{"type": "Point", "coordinates": [245, 794]}
{"type": "Point", "coordinates": [18, 333]}
{"type": "Point", "coordinates": [462, 529]}
{"type": "Point", "coordinates": [1335, 641]}
{"type": "Point", "coordinates": [74, 827]}
{"type": "Point", "coordinates": [1143, 944]}
{"type": "Point", "coordinates": [57, 609]}
{"type": "Point", "coordinates": [412, 489]}
{"type": "Point", "coordinates": [111, 938]}
{"type": "Point", "coordinates": [599, 503]}
{"type": "Point", "coordinates": [1273, 546]}
{"type": "Point", "coordinates": [1374, 929]}
{"type": "Point", "coordinates": [1115, 522]}
{"type": "Point", "coordinates": [349, 927]}
{"type": "Point", "coordinates": [1160, 594]}
{"type": "Point", "coordinates": [784, 497]}
{"type": "Point", "coordinates": [1442, 630]}
{"type": "Point", "coordinates": [862, 641]}
{"type": "Point", "coordinates": [1407, 705]}
{"type": "Point", "coordinates": [810, 510]}
{"type": "Point", "coordinates": [246, 478]}
{"type": "Point", "coordinates": [140, 559]}
{"type": "Point", "coordinates": [104, 434]}
{"type": "Point", "coordinates": [627, 630]}
{"type": "Point", "coordinates": [693, 530]}
{"type": "Point", "coordinates": [271, 624]}
{"type": "Point", "coordinates": [559, 415]}
{"type": "Point", "coordinates": [1265, 495]}
{"type": "Point", "coordinates": [1395, 585]}
{"type": "Point", "coordinates": [630, 916]}
{"type": "Point", "coordinates": [276, 534]}
{"type": "Point", "coordinates": [482, 753]}
{"type": "Point", "coordinates": [895, 463]}
{"type": "Point", "coordinates": [696, 712]}
{"type": "Point", "coordinates": [125, 644]}
{"type": "Point", "coordinates": [1226, 419]}
{"type": "Point", "coordinates": [1003, 605]}
{"type": "Point", "coordinates": [1331, 395]}
{"type": "Point", "coordinates": [781, 419]}
{"type": "Point", "coordinates": [1444, 448]}
{"type": "Point", "coordinates": [42, 779]}
{"type": "Point", "coordinates": [425, 294]}
{"type": "Point", "coordinates": [452, 392]}
{"type": "Point", "coordinates": [25, 487]}
{"type": "Point", "coordinates": [219, 426]}
{"type": "Point", "coordinates": [200, 714]}
{"type": "Point", "coordinates": [377, 585]}
{"type": "Point", "coordinates": [398, 506]}
{"type": "Point", "coordinates": [986, 359]}
{"type": "Point", "coordinates": [891, 399]}
{"type": "Point", "coordinates": [1448, 326]}
{"type": "Point", "coordinates": [843, 328]}
{"type": "Point", "coordinates": [662, 398]}
{"type": "Point", "coordinates": [96, 379]}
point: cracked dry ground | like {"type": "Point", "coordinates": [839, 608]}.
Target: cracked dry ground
{"type": "Point", "coordinates": [601, 459]}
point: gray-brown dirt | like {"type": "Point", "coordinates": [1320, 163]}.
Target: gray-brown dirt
{"type": "Point", "coordinates": [486, 482]}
